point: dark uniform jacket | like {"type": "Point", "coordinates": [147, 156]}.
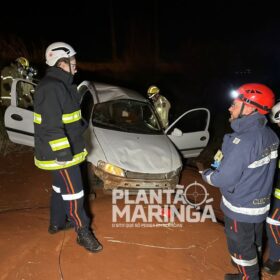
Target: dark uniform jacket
{"type": "Point", "coordinates": [58, 123]}
{"type": "Point", "coordinates": [245, 174]}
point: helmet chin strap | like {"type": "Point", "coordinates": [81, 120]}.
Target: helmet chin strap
{"type": "Point", "coordinates": [70, 68]}
{"type": "Point", "coordinates": [241, 111]}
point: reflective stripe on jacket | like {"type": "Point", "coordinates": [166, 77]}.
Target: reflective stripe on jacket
{"type": "Point", "coordinates": [58, 122]}
{"type": "Point", "coordinates": [245, 174]}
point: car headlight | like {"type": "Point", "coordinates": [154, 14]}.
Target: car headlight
{"type": "Point", "coordinates": [110, 168]}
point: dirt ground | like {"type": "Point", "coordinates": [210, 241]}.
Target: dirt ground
{"type": "Point", "coordinates": [191, 251]}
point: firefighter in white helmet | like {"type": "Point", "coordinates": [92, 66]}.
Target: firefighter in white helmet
{"type": "Point", "coordinates": [59, 143]}
{"type": "Point", "coordinates": [272, 265]}
{"type": "Point", "coordinates": [161, 104]}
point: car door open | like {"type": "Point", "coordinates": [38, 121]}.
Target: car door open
{"type": "Point", "coordinates": [189, 132]}
{"type": "Point", "coordinates": [19, 115]}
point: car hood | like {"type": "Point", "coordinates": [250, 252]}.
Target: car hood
{"type": "Point", "coordinates": [138, 152]}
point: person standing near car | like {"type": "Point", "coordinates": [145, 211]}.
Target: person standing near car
{"type": "Point", "coordinates": [244, 176]}
{"type": "Point", "coordinates": [161, 104]}
{"type": "Point", "coordinates": [19, 68]}
{"type": "Point", "coordinates": [59, 144]}
{"type": "Point", "coordinates": [272, 264]}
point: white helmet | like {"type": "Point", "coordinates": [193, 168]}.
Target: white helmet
{"type": "Point", "coordinates": [275, 113]}
{"type": "Point", "coordinates": [58, 50]}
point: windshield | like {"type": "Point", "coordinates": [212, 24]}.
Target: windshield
{"type": "Point", "coordinates": [126, 115]}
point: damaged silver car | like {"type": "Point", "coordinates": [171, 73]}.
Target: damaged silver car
{"type": "Point", "coordinates": [127, 145]}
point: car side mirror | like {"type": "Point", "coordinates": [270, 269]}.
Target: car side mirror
{"type": "Point", "coordinates": [177, 132]}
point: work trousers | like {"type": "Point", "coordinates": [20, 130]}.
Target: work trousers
{"type": "Point", "coordinates": [67, 200]}
{"type": "Point", "coordinates": [244, 244]}
{"type": "Point", "coordinates": [273, 230]}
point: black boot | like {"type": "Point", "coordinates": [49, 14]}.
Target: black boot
{"type": "Point", "coordinates": [271, 267]}
{"type": "Point", "coordinates": [54, 229]}
{"type": "Point", "coordinates": [87, 239]}
{"type": "Point", "coordinates": [233, 277]}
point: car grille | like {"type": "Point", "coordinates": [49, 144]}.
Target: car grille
{"type": "Point", "coordinates": [146, 176]}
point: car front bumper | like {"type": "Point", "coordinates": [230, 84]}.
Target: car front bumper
{"type": "Point", "coordinates": [111, 181]}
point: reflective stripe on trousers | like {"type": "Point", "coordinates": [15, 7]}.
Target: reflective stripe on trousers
{"type": "Point", "coordinates": [243, 241]}
{"type": "Point", "coordinates": [68, 197]}
{"type": "Point", "coordinates": [273, 230]}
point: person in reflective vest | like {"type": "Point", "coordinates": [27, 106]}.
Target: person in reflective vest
{"type": "Point", "coordinates": [244, 175]}
{"type": "Point", "coordinates": [59, 143]}
{"type": "Point", "coordinates": [19, 68]}
{"type": "Point", "coordinates": [272, 264]}
{"type": "Point", "coordinates": [161, 105]}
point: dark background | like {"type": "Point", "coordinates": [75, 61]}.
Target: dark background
{"type": "Point", "coordinates": [195, 52]}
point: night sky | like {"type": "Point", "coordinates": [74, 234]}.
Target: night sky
{"type": "Point", "coordinates": [215, 45]}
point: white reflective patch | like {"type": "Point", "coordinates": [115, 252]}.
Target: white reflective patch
{"type": "Point", "coordinates": [264, 160]}
{"type": "Point", "coordinates": [209, 179]}
{"type": "Point", "coordinates": [246, 211]}
{"type": "Point", "coordinates": [272, 222]}
{"type": "Point", "coordinates": [245, 262]}
{"type": "Point", "coordinates": [73, 196]}
{"type": "Point", "coordinates": [56, 189]}
{"type": "Point", "coordinates": [236, 140]}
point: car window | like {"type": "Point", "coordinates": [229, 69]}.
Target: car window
{"type": "Point", "coordinates": [126, 115]}
{"type": "Point", "coordinates": [193, 121]}
{"type": "Point", "coordinates": [25, 95]}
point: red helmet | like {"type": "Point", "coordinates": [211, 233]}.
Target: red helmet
{"type": "Point", "coordinates": [257, 95]}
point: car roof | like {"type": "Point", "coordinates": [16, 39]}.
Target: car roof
{"type": "Point", "coordinates": [107, 92]}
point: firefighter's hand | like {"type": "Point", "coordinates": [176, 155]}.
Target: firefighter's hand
{"type": "Point", "coordinates": [200, 167]}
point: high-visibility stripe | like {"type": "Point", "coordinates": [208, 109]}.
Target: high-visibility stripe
{"type": "Point", "coordinates": [264, 160]}
{"type": "Point", "coordinates": [244, 210]}
{"type": "Point", "coordinates": [37, 118]}
{"type": "Point", "coordinates": [66, 118]}
{"type": "Point", "coordinates": [235, 226]}
{"type": "Point", "coordinates": [52, 164]}
{"type": "Point", "coordinates": [242, 269]}
{"type": "Point", "coordinates": [208, 178]}
{"type": "Point", "coordinates": [274, 228]}
{"type": "Point", "coordinates": [56, 189]}
{"type": "Point", "coordinates": [59, 144]}
{"type": "Point", "coordinates": [73, 196]}
{"type": "Point", "coordinates": [272, 221]}
{"type": "Point", "coordinates": [75, 201]}
{"type": "Point", "coordinates": [7, 77]}
{"type": "Point", "coordinates": [72, 117]}
{"type": "Point", "coordinates": [245, 262]}
{"type": "Point", "coordinates": [70, 202]}
{"type": "Point", "coordinates": [277, 193]}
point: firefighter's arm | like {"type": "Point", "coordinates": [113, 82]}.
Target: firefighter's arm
{"type": "Point", "coordinates": [230, 168]}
